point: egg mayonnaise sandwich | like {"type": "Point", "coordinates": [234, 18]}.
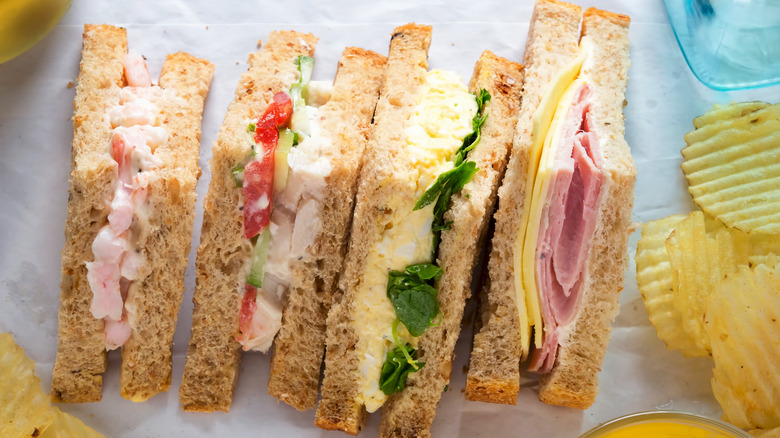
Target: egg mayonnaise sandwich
{"type": "Point", "coordinates": [427, 188]}
{"type": "Point", "coordinates": [561, 236]}
{"type": "Point", "coordinates": [131, 208]}
{"type": "Point", "coordinates": [275, 221]}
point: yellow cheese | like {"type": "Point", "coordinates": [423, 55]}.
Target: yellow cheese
{"type": "Point", "coordinates": [544, 122]}
{"type": "Point", "coordinates": [434, 131]}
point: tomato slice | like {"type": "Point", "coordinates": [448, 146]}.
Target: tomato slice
{"type": "Point", "coordinates": [248, 308]}
{"type": "Point", "coordinates": [258, 185]}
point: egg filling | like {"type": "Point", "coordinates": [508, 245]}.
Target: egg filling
{"type": "Point", "coordinates": [440, 120]}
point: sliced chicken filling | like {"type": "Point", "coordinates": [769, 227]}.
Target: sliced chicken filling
{"type": "Point", "coordinates": [118, 262]}
{"type": "Point", "coordinates": [295, 221]}
{"type": "Point", "coordinates": [567, 228]}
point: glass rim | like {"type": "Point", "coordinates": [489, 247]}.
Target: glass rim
{"type": "Point", "coordinates": [638, 417]}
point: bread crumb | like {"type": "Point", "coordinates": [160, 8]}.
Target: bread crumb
{"type": "Point", "coordinates": [70, 84]}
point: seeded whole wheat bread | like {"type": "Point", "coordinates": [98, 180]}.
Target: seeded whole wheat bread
{"type": "Point", "coordinates": [410, 412]}
{"type": "Point", "coordinates": [214, 355]}
{"type": "Point", "coordinates": [495, 359]}
{"type": "Point", "coordinates": [381, 178]}
{"type": "Point", "coordinates": [300, 345]}
{"type": "Point", "coordinates": [81, 355]}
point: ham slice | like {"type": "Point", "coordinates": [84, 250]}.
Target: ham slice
{"type": "Point", "coordinates": [567, 227]}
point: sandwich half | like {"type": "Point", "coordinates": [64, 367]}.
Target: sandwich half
{"type": "Point", "coordinates": [300, 345]}
{"type": "Point", "coordinates": [410, 413]}
{"type": "Point", "coordinates": [130, 214]}
{"type": "Point", "coordinates": [270, 207]}
{"type": "Point", "coordinates": [560, 246]}
{"type": "Point", "coordinates": [391, 333]}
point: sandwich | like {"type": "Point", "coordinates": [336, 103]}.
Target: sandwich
{"type": "Point", "coordinates": [427, 187]}
{"type": "Point", "coordinates": [279, 198]}
{"type": "Point", "coordinates": [299, 347]}
{"type": "Point", "coordinates": [561, 230]}
{"type": "Point", "coordinates": [130, 215]}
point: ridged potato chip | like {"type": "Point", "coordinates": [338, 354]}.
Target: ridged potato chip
{"type": "Point", "coordinates": [743, 322]}
{"type": "Point", "coordinates": [725, 112]}
{"type": "Point", "coordinates": [732, 163]}
{"type": "Point", "coordinates": [769, 433]}
{"type": "Point", "coordinates": [654, 277]}
{"type": "Point", "coordinates": [68, 426]}
{"type": "Point", "coordinates": [24, 408]}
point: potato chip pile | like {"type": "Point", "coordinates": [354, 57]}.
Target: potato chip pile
{"type": "Point", "coordinates": [24, 408]}
{"type": "Point", "coordinates": [711, 280]}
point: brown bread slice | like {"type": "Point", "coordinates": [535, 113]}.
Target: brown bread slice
{"type": "Point", "coordinates": [573, 380]}
{"type": "Point", "coordinates": [410, 412]}
{"type": "Point", "coordinates": [407, 65]}
{"type": "Point", "coordinates": [213, 356]}
{"type": "Point", "coordinates": [146, 356]}
{"type": "Point", "coordinates": [494, 369]}
{"type": "Point", "coordinates": [300, 345]}
{"type": "Point", "coordinates": [81, 352]}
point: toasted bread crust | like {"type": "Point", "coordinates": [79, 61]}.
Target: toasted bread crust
{"type": "Point", "coordinates": [406, 68]}
{"type": "Point", "coordinates": [346, 118]}
{"type": "Point", "coordinates": [494, 369]}
{"type": "Point", "coordinates": [81, 353]}
{"type": "Point", "coordinates": [573, 382]}
{"type": "Point", "coordinates": [213, 356]}
{"type": "Point", "coordinates": [146, 356]}
{"type": "Point", "coordinates": [410, 413]}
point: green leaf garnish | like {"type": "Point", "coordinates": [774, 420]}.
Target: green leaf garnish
{"type": "Point", "coordinates": [250, 127]}
{"type": "Point", "coordinates": [414, 300]}
{"type": "Point", "coordinates": [396, 368]}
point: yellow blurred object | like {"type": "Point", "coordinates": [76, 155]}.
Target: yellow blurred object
{"type": "Point", "coordinates": [24, 407]}
{"type": "Point", "coordinates": [23, 23]}
{"type": "Point", "coordinates": [743, 322]}
{"type": "Point", "coordinates": [68, 426]}
{"type": "Point", "coordinates": [664, 424]}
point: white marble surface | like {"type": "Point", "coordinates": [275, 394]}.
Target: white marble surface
{"type": "Point", "coordinates": [35, 133]}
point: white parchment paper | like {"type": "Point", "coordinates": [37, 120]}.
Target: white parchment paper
{"type": "Point", "coordinates": [35, 133]}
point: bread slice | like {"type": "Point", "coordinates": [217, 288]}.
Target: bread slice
{"type": "Point", "coordinates": [410, 412]}
{"type": "Point", "coordinates": [146, 356]}
{"type": "Point", "coordinates": [494, 368]}
{"type": "Point", "coordinates": [300, 345]}
{"type": "Point", "coordinates": [213, 356]}
{"type": "Point", "coordinates": [81, 350]}
{"type": "Point", "coordinates": [573, 381]}
{"type": "Point", "coordinates": [81, 355]}
{"type": "Point", "coordinates": [407, 65]}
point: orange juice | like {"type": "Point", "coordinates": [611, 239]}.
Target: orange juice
{"type": "Point", "coordinates": [665, 424]}
{"type": "Point", "coordinates": [25, 22]}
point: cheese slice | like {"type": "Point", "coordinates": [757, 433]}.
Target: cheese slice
{"type": "Point", "coordinates": [544, 121]}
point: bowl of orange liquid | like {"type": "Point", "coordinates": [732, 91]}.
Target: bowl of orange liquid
{"type": "Point", "coordinates": [665, 424]}
{"type": "Point", "coordinates": [23, 23]}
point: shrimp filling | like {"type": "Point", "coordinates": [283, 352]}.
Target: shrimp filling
{"type": "Point", "coordinates": [118, 263]}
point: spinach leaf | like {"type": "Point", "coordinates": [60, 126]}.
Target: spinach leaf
{"type": "Point", "coordinates": [396, 368]}
{"type": "Point", "coordinates": [414, 299]}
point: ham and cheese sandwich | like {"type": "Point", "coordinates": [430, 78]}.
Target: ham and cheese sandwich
{"type": "Point", "coordinates": [427, 187]}
{"type": "Point", "coordinates": [278, 206]}
{"type": "Point", "coordinates": [559, 251]}
{"type": "Point", "coordinates": [130, 216]}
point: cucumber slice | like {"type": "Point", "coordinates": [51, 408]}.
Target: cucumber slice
{"type": "Point", "coordinates": [281, 169]}
{"type": "Point", "coordinates": [259, 257]}
{"type": "Point", "coordinates": [299, 92]}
